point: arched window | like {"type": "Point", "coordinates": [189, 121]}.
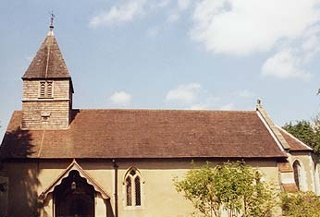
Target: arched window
{"type": "Point", "coordinates": [297, 174]}
{"type": "Point", "coordinates": [133, 188]}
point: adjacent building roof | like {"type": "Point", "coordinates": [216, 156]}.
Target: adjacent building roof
{"type": "Point", "coordinates": [295, 144]}
{"type": "Point", "coordinates": [147, 134]}
{"type": "Point", "coordinates": [48, 63]}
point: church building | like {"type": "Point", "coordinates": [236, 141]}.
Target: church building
{"type": "Point", "coordinates": [59, 161]}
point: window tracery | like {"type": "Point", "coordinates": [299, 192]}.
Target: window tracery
{"type": "Point", "coordinates": [133, 188]}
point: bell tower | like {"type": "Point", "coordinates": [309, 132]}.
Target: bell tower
{"type": "Point", "coordinates": [47, 89]}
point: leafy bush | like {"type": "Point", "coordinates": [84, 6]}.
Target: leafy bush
{"type": "Point", "coordinates": [233, 187]}
{"type": "Point", "coordinates": [300, 204]}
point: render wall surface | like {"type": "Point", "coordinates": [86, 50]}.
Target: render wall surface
{"type": "Point", "coordinates": [21, 189]}
{"type": "Point", "coordinates": [159, 197]}
{"type": "Point", "coordinates": [309, 177]}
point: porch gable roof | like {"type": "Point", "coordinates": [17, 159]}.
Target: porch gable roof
{"type": "Point", "coordinates": [74, 166]}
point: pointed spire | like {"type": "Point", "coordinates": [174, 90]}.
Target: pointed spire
{"type": "Point", "coordinates": [48, 62]}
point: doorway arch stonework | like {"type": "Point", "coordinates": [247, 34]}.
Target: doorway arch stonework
{"type": "Point", "coordinates": [74, 197]}
{"type": "Point", "coordinates": [75, 193]}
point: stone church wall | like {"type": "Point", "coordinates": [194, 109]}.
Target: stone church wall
{"type": "Point", "coordinates": [48, 112]}
{"type": "Point", "coordinates": [308, 174]}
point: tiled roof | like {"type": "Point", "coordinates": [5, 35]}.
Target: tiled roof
{"type": "Point", "coordinates": [295, 144]}
{"type": "Point", "coordinates": [146, 134]}
{"type": "Point", "coordinates": [48, 63]}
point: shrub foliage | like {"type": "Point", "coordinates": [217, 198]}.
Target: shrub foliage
{"type": "Point", "coordinates": [300, 204]}
{"type": "Point", "coordinates": [234, 188]}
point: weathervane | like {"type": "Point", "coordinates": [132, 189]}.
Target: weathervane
{"type": "Point", "coordinates": [51, 19]}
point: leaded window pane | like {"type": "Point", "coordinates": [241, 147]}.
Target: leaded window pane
{"type": "Point", "coordinates": [137, 191]}
{"type": "Point", "coordinates": [129, 191]}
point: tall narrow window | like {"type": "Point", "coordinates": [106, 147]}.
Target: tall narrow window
{"type": "Point", "coordinates": [46, 89]}
{"type": "Point", "coordinates": [297, 174]}
{"type": "Point", "coordinates": [42, 89]}
{"type": "Point", "coordinates": [129, 190]}
{"type": "Point", "coordinates": [133, 188]}
{"type": "Point", "coordinates": [137, 192]}
{"type": "Point", "coordinates": [49, 89]}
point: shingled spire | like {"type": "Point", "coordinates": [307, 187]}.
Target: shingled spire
{"type": "Point", "coordinates": [48, 62]}
{"type": "Point", "coordinates": [47, 88]}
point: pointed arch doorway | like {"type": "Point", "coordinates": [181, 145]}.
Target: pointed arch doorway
{"type": "Point", "coordinates": [75, 193]}
{"type": "Point", "coordinates": [74, 197]}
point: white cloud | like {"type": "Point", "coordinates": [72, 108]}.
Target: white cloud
{"type": "Point", "coordinates": [310, 43]}
{"type": "Point", "coordinates": [242, 27]}
{"type": "Point", "coordinates": [153, 32]}
{"type": "Point", "coordinates": [123, 13]}
{"type": "Point", "coordinates": [244, 94]}
{"type": "Point", "coordinates": [185, 93]}
{"type": "Point", "coordinates": [175, 14]}
{"type": "Point", "coordinates": [121, 98]}
{"type": "Point", "coordinates": [173, 17]}
{"type": "Point", "coordinates": [162, 3]}
{"type": "Point", "coordinates": [236, 27]}
{"type": "Point", "coordinates": [284, 64]}
{"type": "Point", "coordinates": [183, 4]}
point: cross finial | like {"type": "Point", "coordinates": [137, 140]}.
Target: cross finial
{"type": "Point", "coordinates": [51, 20]}
{"type": "Point", "coordinates": [258, 101]}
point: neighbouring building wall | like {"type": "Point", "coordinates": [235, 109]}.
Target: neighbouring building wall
{"type": "Point", "coordinates": [304, 169]}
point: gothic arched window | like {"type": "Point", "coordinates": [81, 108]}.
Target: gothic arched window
{"type": "Point", "coordinates": [133, 188]}
{"type": "Point", "coordinates": [297, 174]}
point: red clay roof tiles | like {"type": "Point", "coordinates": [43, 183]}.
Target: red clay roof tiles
{"type": "Point", "coordinates": [295, 144]}
{"type": "Point", "coordinates": [146, 134]}
{"type": "Point", "coordinates": [48, 62]}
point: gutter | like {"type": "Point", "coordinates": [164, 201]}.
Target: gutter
{"type": "Point", "coordinates": [115, 168]}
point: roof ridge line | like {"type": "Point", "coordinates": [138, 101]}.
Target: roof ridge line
{"type": "Point", "coordinates": [162, 110]}
{"type": "Point", "coordinates": [48, 56]}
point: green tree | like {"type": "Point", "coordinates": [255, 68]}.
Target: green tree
{"type": "Point", "coordinates": [233, 187]}
{"type": "Point", "coordinates": [300, 204]}
{"type": "Point", "coordinates": [306, 131]}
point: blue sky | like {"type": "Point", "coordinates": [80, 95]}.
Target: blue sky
{"type": "Point", "coordinates": [171, 54]}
